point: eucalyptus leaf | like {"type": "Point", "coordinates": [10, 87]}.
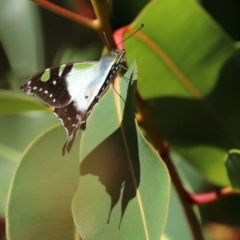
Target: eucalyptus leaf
{"type": "Point", "coordinates": [39, 203]}
{"type": "Point", "coordinates": [17, 132]}
{"type": "Point", "coordinates": [189, 74]}
{"type": "Point", "coordinates": [12, 102]}
{"type": "Point", "coordinates": [21, 37]}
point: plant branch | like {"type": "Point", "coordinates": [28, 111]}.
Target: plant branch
{"type": "Point", "coordinates": [65, 13]}
{"type": "Point", "coordinates": [146, 120]}
{"type": "Point", "coordinates": [99, 25]}
{"type": "Point", "coordinates": [102, 23]}
{"type": "Point", "coordinates": [2, 227]}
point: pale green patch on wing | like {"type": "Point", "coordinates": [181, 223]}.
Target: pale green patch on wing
{"type": "Point", "coordinates": [62, 67]}
{"type": "Point", "coordinates": [83, 66]}
{"type": "Point", "coordinates": [46, 75]}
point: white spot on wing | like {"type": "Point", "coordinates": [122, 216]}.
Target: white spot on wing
{"type": "Point", "coordinates": [54, 82]}
{"type": "Point", "coordinates": [29, 82]}
{"type": "Point", "coordinates": [50, 95]}
{"type": "Point", "coordinates": [40, 89]}
{"type": "Point", "coordinates": [46, 91]}
{"type": "Point", "coordinates": [34, 88]}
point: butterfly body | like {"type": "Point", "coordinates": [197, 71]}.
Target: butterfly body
{"type": "Point", "coordinates": [73, 89]}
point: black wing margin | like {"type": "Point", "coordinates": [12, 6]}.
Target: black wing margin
{"type": "Point", "coordinates": [72, 121]}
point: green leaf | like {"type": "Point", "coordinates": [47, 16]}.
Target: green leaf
{"type": "Point", "coordinates": [177, 223]}
{"type": "Point", "coordinates": [8, 159]}
{"type": "Point", "coordinates": [6, 172]}
{"type": "Point", "coordinates": [189, 73]}
{"type": "Point", "coordinates": [233, 167]}
{"type": "Point", "coordinates": [17, 131]}
{"type": "Point", "coordinates": [21, 36]}
{"type": "Point", "coordinates": [39, 204]}
{"type": "Point", "coordinates": [124, 186]}
{"type": "Point", "coordinates": [12, 102]}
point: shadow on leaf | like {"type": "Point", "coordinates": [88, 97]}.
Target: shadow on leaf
{"type": "Point", "coordinates": [189, 122]}
{"type": "Point", "coordinates": [116, 161]}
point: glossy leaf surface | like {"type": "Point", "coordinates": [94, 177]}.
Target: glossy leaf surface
{"type": "Point", "coordinates": [24, 51]}
{"type": "Point", "coordinates": [12, 102]}
{"type": "Point", "coordinates": [17, 132]}
{"type": "Point", "coordinates": [189, 73]}
{"type": "Point", "coordinates": [42, 189]}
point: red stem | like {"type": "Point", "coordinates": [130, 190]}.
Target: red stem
{"type": "Point", "coordinates": [206, 198]}
{"type": "Point", "coordinates": [100, 24]}
{"type": "Point", "coordinates": [65, 13]}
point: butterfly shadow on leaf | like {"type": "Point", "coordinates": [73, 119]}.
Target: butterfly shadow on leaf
{"type": "Point", "coordinates": [116, 161]}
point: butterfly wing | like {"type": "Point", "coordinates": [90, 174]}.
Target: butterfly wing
{"type": "Point", "coordinates": [70, 117]}
{"type": "Point", "coordinates": [73, 117]}
{"type": "Point", "coordinates": [80, 108]}
{"type": "Point", "coordinates": [73, 89]}
{"type": "Point", "coordinates": [56, 86]}
{"type": "Point", "coordinates": [111, 62]}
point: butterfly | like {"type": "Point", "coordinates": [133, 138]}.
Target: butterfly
{"type": "Point", "coordinates": [72, 89]}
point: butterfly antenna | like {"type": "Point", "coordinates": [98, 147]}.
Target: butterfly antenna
{"type": "Point", "coordinates": [104, 34]}
{"type": "Point", "coordinates": [142, 25]}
